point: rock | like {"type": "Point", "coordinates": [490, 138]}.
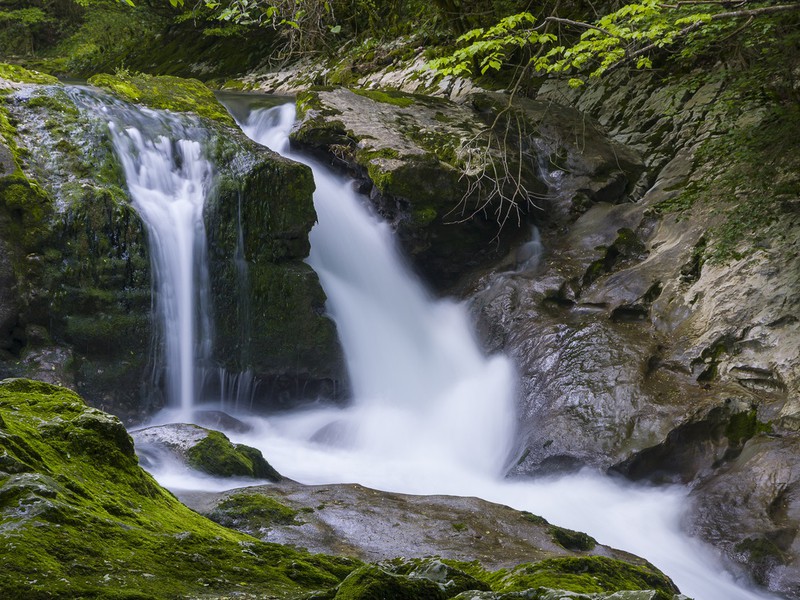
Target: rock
{"type": "Point", "coordinates": [204, 450]}
{"type": "Point", "coordinates": [70, 482]}
{"type": "Point", "coordinates": [579, 163]}
{"type": "Point", "coordinates": [269, 308]}
{"type": "Point", "coordinates": [164, 92]}
{"type": "Point", "coordinates": [9, 303]}
{"type": "Point", "coordinates": [378, 526]}
{"type": "Point", "coordinates": [639, 337]}
{"type": "Point", "coordinates": [371, 583]}
{"type": "Point", "coordinates": [410, 153]}
{"type": "Point", "coordinates": [82, 267]}
{"type": "Point", "coordinates": [750, 508]}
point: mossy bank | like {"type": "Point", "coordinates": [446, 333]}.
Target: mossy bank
{"type": "Point", "coordinates": [81, 519]}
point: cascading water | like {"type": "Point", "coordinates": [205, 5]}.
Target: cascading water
{"type": "Point", "coordinates": [168, 178]}
{"type": "Point", "coordinates": [431, 415]}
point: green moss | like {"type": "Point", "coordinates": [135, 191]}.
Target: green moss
{"type": "Point", "coordinates": [451, 579]}
{"type": "Point", "coordinates": [28, 207]}
{"type": "Point", "coordinates": [586, 574]}
{"type": "Point", "coordinates": [424, 216]}
{"type": "Point", "coordinates": [252, 512]}
{"type": "Point", "coordinates": [749, 175]}
{"type": "Point", "coordinates": [216, 455]}
{"type": "Point", "coordinates": [373, 583]}
{"type": "Point", "coordinates": [386, 96]}
{"type": "Point", "coordinates": [22, 75]}
{"type": "Point", "coordinates": [589, 574]}
{"type": "Point", "coordinates": [164, 92]}
{"type": "Point", "coordinates": [760, 550]}
{"type": "Point", "coordinates": [535, 519]}
{"type": "Point", "coordinates": [744, 425]}
{"type": "Point", "coordinates": [572, 540]}
{"type": "Point", "coordinates": [444, 146]}
{"type": "Point", "coordinates": [82, 520]}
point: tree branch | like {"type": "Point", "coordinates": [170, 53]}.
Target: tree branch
{"type": "Point", "coordinates": [579, 24]}
{"type": "Point", "coordinates": [754, 12]}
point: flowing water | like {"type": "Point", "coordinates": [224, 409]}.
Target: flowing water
{"type": "Point", "coordinates": [168, 178]}
{"type": "Point", "coordinates": [431, 414]}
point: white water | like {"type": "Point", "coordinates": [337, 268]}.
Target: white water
{"type": "Point", "coordinates": [168, 178]}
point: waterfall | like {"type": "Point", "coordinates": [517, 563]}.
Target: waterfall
{"type": "Point", "coordinates": [168, 178]}
{"type": "Point", "coordinates": [430, 414]}
{"type": "Point", "coordinates": [414, 366]}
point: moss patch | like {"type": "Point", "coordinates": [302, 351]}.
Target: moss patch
{"type": "Point", "coordinates": [386, 96]}
{"type": "Point", "coordinates": [164, 92]}
{"type": "Point", "coordinates": [22, 75]}
{"type": "Point", "coordinates": [216, 455]}
{"type": "Point", "coordinates": [588, 574]}
{"type": "Point", "coordinates": [253, 512]}
{"type": "Point", "coordinates": [82, 520]}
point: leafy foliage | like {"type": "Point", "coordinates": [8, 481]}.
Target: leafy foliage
{"type": "Point", "coordinates": [632, 35]}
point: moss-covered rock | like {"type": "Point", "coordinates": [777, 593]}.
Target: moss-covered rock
{"type": "Point", "coordinates": [373, 583]}
{"type": "Point", "coordinates": [82, 519]}
{"type": "Point", "coordinates": [81, 266]}
{"type": "Point", "coordinates": [253, 513]}
{"type": "Point", "coordinates": [269, 308]}
{"type": "Point", "coordinates": [164, 92]}
{"type": "Point", "coordinates": [19, 74]}
{"type": "Point", "coordinates": [588, 574]}
{"type": "Point", "coordinates": [205, 450]}
{"type": "Point", "coordinates": [216, 455]}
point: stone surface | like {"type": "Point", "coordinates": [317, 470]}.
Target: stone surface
{"type": "Point", "coordinates": [409, 152]}
{"type": "Point", "coordinates": [643, 349]}
{"type": "Point", "coordinates": [202, 449]}
{"type": "Point", "coordinates": [372, 525]}
{"type": "Point", "coordinates": [82, 268]}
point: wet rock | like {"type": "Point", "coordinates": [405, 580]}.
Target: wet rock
{"type": "Point", "coordinates": [9, 303]}
{"type": "Point", "coordinates": [202, 449]}
{"type": "Point", "coordinates": [375, 526]}
{"type": "Point", "coordinates": [750, 508]}
{"type": "Point", "coordinates": [82, 267]}
{"type": "Point", "coordinates": [268, 305]}
{"type": "Point", "coordinates": [577, 160]}
{"type": "Point", "coordinates": [636, 340]}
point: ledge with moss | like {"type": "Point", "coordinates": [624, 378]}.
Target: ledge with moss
{"type": "Point", "coordinates": [164, 92]}
{"type": "Point", "coordinates": [18, 74]}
